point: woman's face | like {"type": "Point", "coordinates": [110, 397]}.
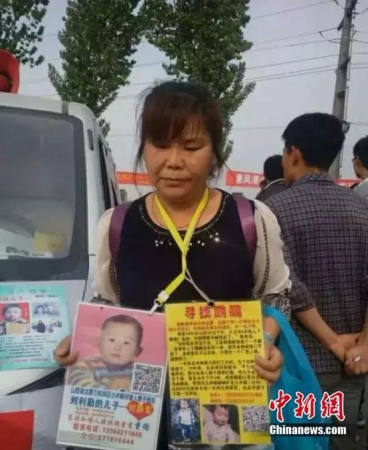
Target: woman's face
{"type": "Point", "coordinates": [179, 169]}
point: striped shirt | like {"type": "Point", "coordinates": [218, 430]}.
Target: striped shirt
{"type": "Point", "coordinates": [95, 373]}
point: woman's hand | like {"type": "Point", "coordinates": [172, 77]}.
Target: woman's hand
{"type": "Point", "coordinates": [269, 367]}
{"type": "Point", "coordinates": [62, 353]}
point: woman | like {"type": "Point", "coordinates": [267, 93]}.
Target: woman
{"type": "Point", "coordinates": [181, 139]}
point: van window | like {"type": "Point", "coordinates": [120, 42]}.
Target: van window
{"type": "Point", "coordinates": [42, 196]}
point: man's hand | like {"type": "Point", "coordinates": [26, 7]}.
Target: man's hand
{"type": "Point", "coordinates": [356, 361]}
{"type": "Point", "coordinates": [269, 367]}
{"type": "Point", "coordinates": [342, 344]}
{"type": "Point", "coordinates": [62, 353]}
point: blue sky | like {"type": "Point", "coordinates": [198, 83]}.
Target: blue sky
{"type": "Point", "coordinates": [258, 124]}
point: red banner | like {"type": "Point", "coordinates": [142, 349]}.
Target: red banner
{"type": "Point", "coordinates": [16, 430]}
{"type": "Point", "coordinates": [243, 179]}
{"type": "Point", "coordinates": [140, 179]}
{"type": "Point", "coordinates": [253, 180]}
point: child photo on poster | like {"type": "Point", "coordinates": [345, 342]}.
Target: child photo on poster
{"type": "Point", "coordinates": [221, 424]}
{"type": "Point", "coordinates": [113, 393]}
{"type": "Point", "coordinates": [15, 319]}
{"type": "Point", "coordinates": [119, 345]}
{"type": "Point", "coordinates": [185, 425]}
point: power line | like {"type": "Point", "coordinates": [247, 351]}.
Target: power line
{"type": "Point", "coordinates": [254, 43]}
{"type": "Point", "coordinates": [289, 45]}
{"type": "Point", "coordinates": [286, 38]}
{"type": "Point", "coordinates": [338, 4]}
{"type": "Point", "coordinates": [362, 12]}
{"type": "Point", "coordinates": [291, 74]}
{"type": "Point", "coordinates": [259, 78]}
{"type": "Point", "coordinates": [360, 42]}
{"type": "Point", "coordinates": [300, 71]}
{"type": "Point", "coordinates": [290, 10]}
{"type": "Point", "coordinates": [295, 61]}
{"type": "Point", "coordinates": [292, 61]}
{"type": "Point", "coordinates": [251, 50]}
{"type": "Point", "coordinates": [277, 76]}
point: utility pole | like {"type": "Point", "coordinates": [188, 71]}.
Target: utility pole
{"type": "Point", "coordinates": [339, 105]}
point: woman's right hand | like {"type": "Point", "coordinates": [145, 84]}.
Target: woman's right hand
{"type": "Point", "coordinates": [62, 353]}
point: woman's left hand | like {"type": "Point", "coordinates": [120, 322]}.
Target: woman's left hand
{"type": "Point", "coordinates": [269, 367]}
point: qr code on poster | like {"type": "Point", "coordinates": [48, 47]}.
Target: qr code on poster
{"type": "Point", "coordinates": [255, 419]}
{"type": "Point", "coordinates": [147, 379]}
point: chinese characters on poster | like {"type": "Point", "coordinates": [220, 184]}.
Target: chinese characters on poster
{"type": "Point", "coordinates": [114, 392]}
{"type": "Point", "coordinates": [33, 320]}
{"type": "Point", "coordinates": [216, 396]}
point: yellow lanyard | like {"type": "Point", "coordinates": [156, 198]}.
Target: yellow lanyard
{"type": "Point", "coordinates": [183, 245]}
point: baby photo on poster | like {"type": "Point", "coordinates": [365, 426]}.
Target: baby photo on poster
{"type": "Point", "coordinates": [117, 381]}
{"type": "Point", "coordinates": [221, 424]}
{"type": "Point", "coordinates": [113, 353]}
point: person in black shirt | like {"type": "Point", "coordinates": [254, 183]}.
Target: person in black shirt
{"type": "Point", "coordinates": [181, 140]}
{"type": "Point", "coordinates": [274, 178]}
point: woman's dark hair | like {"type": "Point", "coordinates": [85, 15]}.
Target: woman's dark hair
{"type": "Point", "coordinates": [361, 151]}
{"type": "Point", "coordinates": [318, 136]}
{"type": "Point", "coordinates": [167, 109]}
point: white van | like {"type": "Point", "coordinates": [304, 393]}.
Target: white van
{"type": "Point", "coordinates": [57, 177]}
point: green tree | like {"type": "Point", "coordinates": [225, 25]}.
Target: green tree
{"type": "Point", "coordinates": [21, 29]}
{"type": "Point", "coordinates": [98, 41]}
{"type": "Point", "coordinates": [204, 41]}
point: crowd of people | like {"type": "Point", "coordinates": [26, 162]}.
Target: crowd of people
{"type": "Point", "coordinates": [311, 257]}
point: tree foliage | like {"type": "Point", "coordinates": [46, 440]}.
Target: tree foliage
{"type": "Point", "coordinates": [204, 41]}
{"type": "Point", "coordinates": [21, 28]}
{"type": "Point", "coordinates": [98, 41]}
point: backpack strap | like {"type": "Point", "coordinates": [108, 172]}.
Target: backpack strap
{"type": "Point", "coordinates": [246, 215]}
{"type": "Point", "coordinates": [116, 225]}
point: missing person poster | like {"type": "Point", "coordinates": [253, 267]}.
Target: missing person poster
{"type": "Point", "coordinates": [33, 320]}
{"type": "Point", "coordinates": [114, 392]}
{"type": "Point", "coordinates": [216, 396]}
